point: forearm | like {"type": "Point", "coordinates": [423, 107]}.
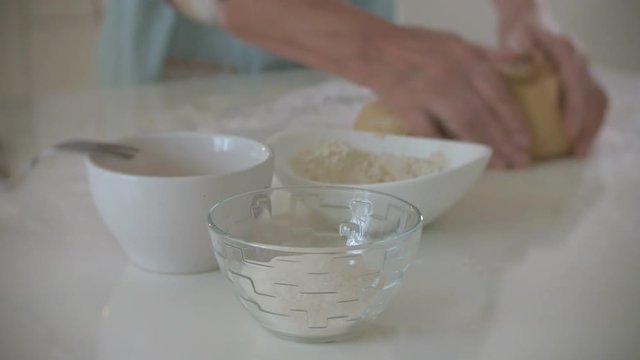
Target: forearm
{"type": "Point", "coordinates": [325, 34]}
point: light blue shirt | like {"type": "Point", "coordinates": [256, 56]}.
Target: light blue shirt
{"type": "Point", "coordinates": [138, 35]}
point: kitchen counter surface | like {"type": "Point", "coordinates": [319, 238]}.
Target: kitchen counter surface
{"type": "Point", "coordinates": [536, 264]}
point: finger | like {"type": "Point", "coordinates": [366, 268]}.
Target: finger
{"type": "Point", "coordinates": [431, 129]}
{"type": "Point", "coordinates": [497, 163]}
{"type": "Point", "coordinates": [476, 122]}
{"type": "Point", "coordinates": [516, 40]}
{"type": "Point", "coordinates": [495, 92]}
{"type": "Point", "coordinates": [441, 126]}
{"type": "Point", "coordinates": [459, 122]}
{"type": "Point", "coordinates": [515, 157]}
{"type": "Point", "coordinates": [598, 109]}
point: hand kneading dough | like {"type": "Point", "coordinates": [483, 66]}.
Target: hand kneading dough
{"type": "Point", "coordinates": [537, 90]}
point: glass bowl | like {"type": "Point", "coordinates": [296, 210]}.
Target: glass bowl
{"type": "Point", "coordinates": [314, 264]}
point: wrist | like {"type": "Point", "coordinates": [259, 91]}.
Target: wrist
{"type": "Point", "coordinates": [400, 53]}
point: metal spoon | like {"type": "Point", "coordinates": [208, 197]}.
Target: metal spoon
{"type": "Point", "coordinates": [74, 146]}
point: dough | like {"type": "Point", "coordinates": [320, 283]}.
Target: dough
{"type": "Point", "coordinates": [537, 90]}
{"type": "Point", "coordinates": [375, 117]}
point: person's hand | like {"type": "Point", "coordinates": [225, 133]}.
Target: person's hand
{"type": "Point", "coordinates": [439, 84]}
{"type": "Point", "coordinates": [524, 30]}
{"type": "Point", "coordinates": [444, 86]}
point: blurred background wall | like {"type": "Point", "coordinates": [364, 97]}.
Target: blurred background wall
{"type": "Point", "coordinates": [46, 46]}
{"type": "Point", "coordinates": [609, 29]}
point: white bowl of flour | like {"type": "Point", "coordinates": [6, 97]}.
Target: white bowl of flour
{"type": "Point", "coordinates": [432, 174]}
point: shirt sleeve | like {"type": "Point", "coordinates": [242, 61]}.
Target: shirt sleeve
{"type": "Point", "coordinates": [134, 41]}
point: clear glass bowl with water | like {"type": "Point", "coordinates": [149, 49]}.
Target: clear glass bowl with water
{"type": "Point", "coordinates": [315, 264]}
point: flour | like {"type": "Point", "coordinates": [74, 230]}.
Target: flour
{"type": "Point", "coordinates": [340, 163]}
{"type": "Point", "coordinates": [313, 295]}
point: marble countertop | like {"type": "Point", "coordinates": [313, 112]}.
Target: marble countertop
{"type": "Point", "coordinates": [536, 264]}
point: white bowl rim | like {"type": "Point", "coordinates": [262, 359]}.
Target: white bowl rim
{"type": "Point", "coordinates": [305, 249]}
{"type": "Point", "coordinates": [90, 160]}
{"type": "Point", "coordinates": [486, 153]}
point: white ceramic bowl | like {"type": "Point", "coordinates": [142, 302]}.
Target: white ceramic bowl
{"type": "Point", "coordinates": [433, 194]}
{"type": "Point", "coordinates": [156, 204]}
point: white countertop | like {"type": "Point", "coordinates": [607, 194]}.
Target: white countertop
{"type": "Point", "coordinates": [537, 264]}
